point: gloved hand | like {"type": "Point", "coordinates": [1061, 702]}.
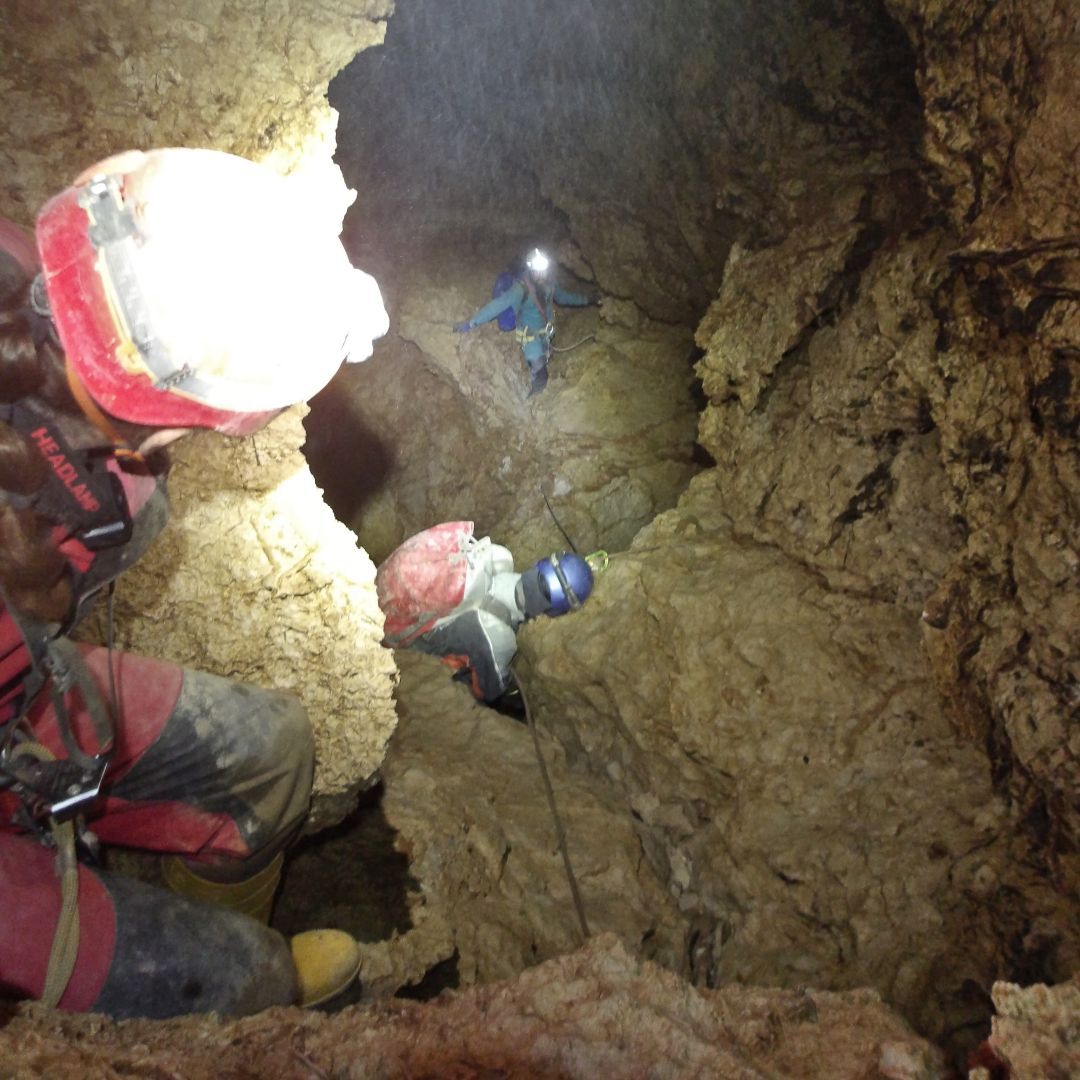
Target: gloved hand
{"type": "Point", "coordinates": [462, 327]}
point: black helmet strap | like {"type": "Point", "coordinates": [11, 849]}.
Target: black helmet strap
{"type": "Point", "coordinates": [567, 588]}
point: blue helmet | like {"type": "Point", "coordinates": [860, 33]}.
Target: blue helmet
{"type": "Point", "coordinates": [565, 581]}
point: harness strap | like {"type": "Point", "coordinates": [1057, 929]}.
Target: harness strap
{"type": "Point", "coordinates": [69, 672]}
{"type": "Point", "coordinates": [65, 945]}
{"type": "Point", "coordinates": [61, 660]}
{"type": "Point", "coordinates": [65, 786]}
{"type": "Point", "coordinates": [543, 306]}
{"type": "Point", "coordinates": [525, 335]}
{"type": "Point", "coordinates": [57, 660]}
{"type": "Point", "coordinates": [410, 633]}
{"type": "Point", "coordinates": [97, 417]}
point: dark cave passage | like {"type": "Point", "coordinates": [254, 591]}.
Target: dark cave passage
{"type": "Point", "coordinates": [601, 134]}
{"type": "Point", "coordinates": [643, 148]}
{"type": "Point", "coordinates": [363, 880]}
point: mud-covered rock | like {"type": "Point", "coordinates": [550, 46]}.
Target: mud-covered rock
{"type": "Point", "coordinates": [596, 1011]}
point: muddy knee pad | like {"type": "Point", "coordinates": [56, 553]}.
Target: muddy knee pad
{"type": "Point", "coordinates": [174, 956]}
{"type": "Point", "coordinates": [239, 752]}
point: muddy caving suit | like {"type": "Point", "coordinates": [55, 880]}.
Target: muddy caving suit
{"type": "Point", "coordinates": [533, 307]}
{"type": "Point", "coordinates": [446, 593]}
{"type": "Point", "coordinates": [202, 767]}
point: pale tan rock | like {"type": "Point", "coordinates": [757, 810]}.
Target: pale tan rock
{"type": "Point", "coordinates": [482, 843]}
{"type": "Point", "coordinates": [1036, 1032]}
{"type": "Point", "coordinates": [807, 803]}
{"type": "Point", "coordinates": [96, 77]}
{"type": "Point", "coordinates": [892, 411]}
{"type": "Point", "coordinates": [254, 578]}
{"type": "Point", "coordinates": [609, 442]}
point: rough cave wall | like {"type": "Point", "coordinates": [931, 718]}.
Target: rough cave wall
{"type": "Point", "coordinates": [813, 770]}
{"type": "Point", "coordinates": [602, 132]}
{"type": "Point", "coordinates": [607, 446]}
{"type": "Point", "coordinates": [561, 112]}
{"type": "Point", "coordinates": [890, 531]}
{"type": "Point", "coordinates": [1004, 390]}
{"type": "Point", "coordinates": [252, 578]}
{"type": "Point", "coordinates": [596, 1012]}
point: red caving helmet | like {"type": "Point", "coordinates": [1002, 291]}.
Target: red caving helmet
{"type": "Point", "coordinates": [194, 288]}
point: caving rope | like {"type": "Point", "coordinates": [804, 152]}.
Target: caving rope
{"type": "Point", "coordinates": [556, 520]}
{"type": "Point", "coordinates": [598, 561]}
{"type": "Point", "coordinates": [560, 832]}
{"type": "Point", "coordinates": [567, 348]}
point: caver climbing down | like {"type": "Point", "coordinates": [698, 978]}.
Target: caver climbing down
{"type": "Point", "coordinates": [178, 289]}
{"type": "Point", "coordinates": [447, 593]}
{"type": "Point", "coordinates": [530, 296]}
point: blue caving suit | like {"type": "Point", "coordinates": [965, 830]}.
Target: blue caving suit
{"type": "Point", "coordinates": [532, 303]}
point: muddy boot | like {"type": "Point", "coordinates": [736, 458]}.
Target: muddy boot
{"type": "Point", "coordinates": [326, 961]}
{"type": "Point", "coordinates": [174, 956]}
{"type": "Point", "coordinates": [539, 381]}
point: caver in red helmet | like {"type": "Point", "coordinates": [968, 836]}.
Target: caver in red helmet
{"type": "Point", "coordinates": [193, 288]}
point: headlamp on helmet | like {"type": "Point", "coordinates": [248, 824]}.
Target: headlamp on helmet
{"type": "Point", "coordinates": [538, 262]}
{"type": "Point", "coordinates": [196, 288]}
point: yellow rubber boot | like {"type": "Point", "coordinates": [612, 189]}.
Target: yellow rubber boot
{"type": "Point", "coordinates": [326, 962]}
{"type": "Point", "coordinates": [253, 896]}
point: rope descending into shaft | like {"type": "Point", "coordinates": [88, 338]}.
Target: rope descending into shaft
{"type": "Point", "coordinates": [560, 832]}
{"type": "Point", "coordinates": [557, 522]}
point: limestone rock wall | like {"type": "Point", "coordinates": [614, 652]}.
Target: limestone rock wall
{"type": "Point", "coordinates": [83, 79]}
{"type": "Point", "coordinates": [1002, 385]}
{"type": "Point", "coordinates": [886, 550]}
{"type": "Point", "coordinates": [900, 412]}
{"type": "Point", "coordinates": [622, 122]}
{"type": "Point", "coordinates": [492, 896]}
{"type": "Point", "coordinates": [1035, 1032]}
{"type": "Point", "coordinates": [835, 686]}
{"type": "Point", "coordinates": [832, 693]}
{"type": "Point", "coordinates": [805, 800]}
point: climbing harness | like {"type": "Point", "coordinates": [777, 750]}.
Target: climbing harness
{"type": "Point", "coordinates": [57, 789]}
{"type": "Point", "coordinates": [53, 793]}
{"type": "Point", "coordinates": [524, 335]}
{"type": "Point", "coordinates": [65, 944]}
{"type": "Point", "coordinates": [560, 832]}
